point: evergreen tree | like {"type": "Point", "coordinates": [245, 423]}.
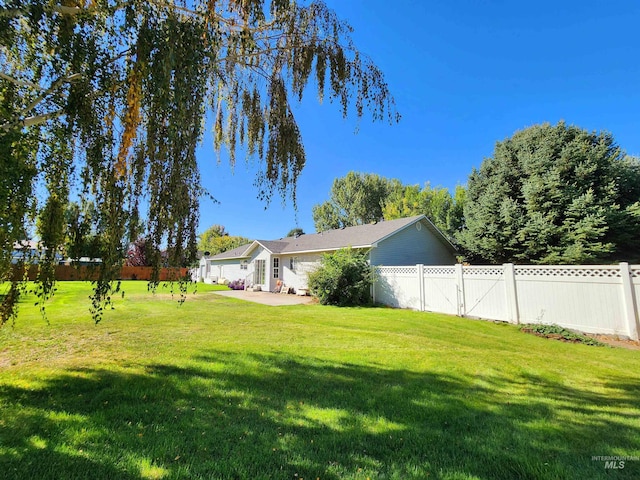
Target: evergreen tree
{"type": "Point", "coordinates": [554, 194]}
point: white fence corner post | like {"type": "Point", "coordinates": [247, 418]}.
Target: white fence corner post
{"type": "Point", "coordinates": [460, 291]}
{"type": "Point", "coordinates": [420, 269]}
{"type": "Point", "coordinates": [511, 292]}
{"type": "Point", "coordinates": [629, 302]}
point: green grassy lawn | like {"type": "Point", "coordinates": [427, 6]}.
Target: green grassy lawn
{"type": "Point", "coordinates": [220, 388]}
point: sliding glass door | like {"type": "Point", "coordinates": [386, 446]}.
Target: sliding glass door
{"type": "Point", "coordinates": [259, 272]}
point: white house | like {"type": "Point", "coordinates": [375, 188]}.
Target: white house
{"type": "Point", "coordinates": [268, 263]}
{"type": "Point", "coordinates": [29, 251]}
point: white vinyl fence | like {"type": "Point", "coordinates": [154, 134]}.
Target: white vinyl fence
{"type": "Point", "coordinates": [588, 298]}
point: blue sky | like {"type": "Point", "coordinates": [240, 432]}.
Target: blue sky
{"type": "Point", "coordinates": [464, 74]}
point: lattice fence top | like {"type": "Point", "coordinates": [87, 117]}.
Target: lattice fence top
{"type": "Point", "coordinates": [484, 271]}
{"type": "Point", "coordinates": [439, 270]}
{"type": "Point", "coordinates": [398, 270]}
{"type": "Point", "coordinates": [585, 272]}
{"type": "Point", "coordinates": [549, 271]}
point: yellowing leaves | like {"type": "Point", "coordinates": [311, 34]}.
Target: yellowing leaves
{"type": "Point", "coordinates": [131, 121]}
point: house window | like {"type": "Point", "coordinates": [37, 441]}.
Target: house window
{"type": "Point", "coordinates": [276, 267]}
{"type": "Point", "coordinates": [243, 265]}
{"type": "Point", "coordinates": [292, 263]}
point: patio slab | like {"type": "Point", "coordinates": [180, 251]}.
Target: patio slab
{"type": "Point", "coordinates": [266, 298]}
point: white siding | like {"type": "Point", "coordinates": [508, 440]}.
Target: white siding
{"type": "Point", "coordinates": [231, 268]}
{"type": "Point", "coordinates": [304, 264]}
{"type": "Point", "coordinates": [217, 269]}
{"type": "Point", "coordinates": [635, 281]}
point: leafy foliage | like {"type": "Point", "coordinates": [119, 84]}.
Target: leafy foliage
{"type": "Point", "coordinates": [554, 194]}
{"type": "Point", "coordinates": [355, 199]}
{"type": "Point", "coordinates": [295, 232]}
{"type": "Point", "coordinates": [138, 254]}
{"type": "Point", "coordinates": [436, 203]}
{"type": "Point", "coordinates": [360, 198]}
{"type": "Point", "coordinates": [226, 243]}
{"type": "Point", "coordinates": [111, 96]}
{"type": "Point", "coordinates": [206, 238]}
{"type": "Point", "coordinates": [216, 240]}
{"type": "Point", "coordinates": [343, 278]}
{"type": "Point", "coordinates": [560, 333]}
{"type": "Point", "coordinates": [81, 239]}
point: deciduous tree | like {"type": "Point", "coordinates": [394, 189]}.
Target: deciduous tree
{"type": "Point", "coordinates": [81, 239]}
{"type": "Point", "coordinates": [138, 254]}
{"type": "Point", "coordinates": [436, 203]}
{"type": "Point", "coordinates": [225, 243]}
{"type": "Point", "coordinates": [205, 238]}
{"type": "Point", "coordinates": [216, 240]}
{"type": "Point", "coordinates": [112, 96]}
{"type": "Point", "coordinates": [295, 232]}
{"type": "Point", "coordinates": [355, 199]}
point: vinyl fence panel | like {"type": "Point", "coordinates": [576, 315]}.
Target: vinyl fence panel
{"type": "Point", "coordinates": [441, 293]}
{"type": "Point", "coordinates": [398, 287]}
{"type": "Point", "coordinates": [583, 298]}
{"type": "Point", "coordinates": [588, 298]}
{"type": "Point", "coordinates": [485, 292]}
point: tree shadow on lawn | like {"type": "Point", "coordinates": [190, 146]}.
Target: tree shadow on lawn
{"type": "Point", "coordinates": [277, 416]}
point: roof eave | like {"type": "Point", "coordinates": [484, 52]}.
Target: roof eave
{"type": "Point", "coordinates": [258, 242]}
{"type": "Point", "coordinates": [332, 249]}
{"type": "Point", "coordinates": [226, 258]}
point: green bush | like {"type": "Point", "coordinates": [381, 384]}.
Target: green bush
{"type": "Point", "coordinates": [559, 333]}
{"type": "Point", "coordinates": [343, 278]}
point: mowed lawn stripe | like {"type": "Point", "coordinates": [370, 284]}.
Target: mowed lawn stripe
{"type": "Point", "coordinates": [221, 388]}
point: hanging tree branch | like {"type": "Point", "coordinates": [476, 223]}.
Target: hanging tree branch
{"type": "Point", "coordinates": [38, 119]}
{"type": "Point", "coordinates": [147, 73]}
{"type": "Point", "coordinates": [21, 83]}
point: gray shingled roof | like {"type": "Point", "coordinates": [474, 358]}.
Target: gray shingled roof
{"type": "Point", "coordinates": [234, 253]}
{"type": "Point", "coordinates": [359, 236]}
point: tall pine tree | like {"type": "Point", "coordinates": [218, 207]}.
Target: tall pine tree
{"type": "Point", "coordinates": [554, 194]}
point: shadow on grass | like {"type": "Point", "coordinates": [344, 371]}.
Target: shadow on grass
{"type": "Point", "coordinates": [276, 416]}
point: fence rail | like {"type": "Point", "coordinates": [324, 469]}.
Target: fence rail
{"type": "Point", "coordinates": [589, 298]}
{"type": "Point", "coordinates": [67, 272]}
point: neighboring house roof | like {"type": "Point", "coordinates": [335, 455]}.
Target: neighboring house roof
{"type": "Point", "coordinates": [29, 250]}
{"type": "Point", "coordinates": [26, 245]}
{"type": "Point", "coordinates": [360, 236]}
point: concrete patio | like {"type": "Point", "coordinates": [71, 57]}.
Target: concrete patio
{"type": "Point", "coordinates": [266, 298]}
